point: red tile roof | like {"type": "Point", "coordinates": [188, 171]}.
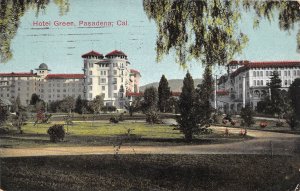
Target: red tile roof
{"type": "Point", "coordinates": [20, 74]}
{"type": "Point", "coordinates": [134, 71]}
{"type": "Point", "coordinates": [65, 76]}
{"type": "Point", "coordinates": [116, 53]}
{"type": "Point", "coordinates": [135, 94]}
{"type": "Point", "coordinates": [92, 53]}
{"type": "Point", "coordinates": [266, 64]}
{"type": "Point", "coordinates": [222, 92]}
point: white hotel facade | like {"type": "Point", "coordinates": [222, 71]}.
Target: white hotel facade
{"type": "Point", "coordinates": [246, 82]}
{"type": "Point", "coordinates": [109, 76]}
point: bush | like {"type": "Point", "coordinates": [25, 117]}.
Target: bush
{"type": "Point", "coordinates": [279, 124]}
{"type": "Point", "coordinates": [106, 109]}
{"type": "Point", "coordinates": [121, 117]}
{"type": "Point", "coordinates": [4, 130]}
{"type": "Point", "coordinates": [114, 119]}
{"type": "Point", "coordinates": [56, 133]}
{"type": "Point", "coordinates": [152, 118]}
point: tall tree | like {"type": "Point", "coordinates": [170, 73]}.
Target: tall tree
{"type": "Point", "coordinates": [4, 113]}
{"type": "Point", "coordinates": [294, 95]}
{"type": "Point", "coordinates": [34, 99]}
{"type": "Point", "coordinates": [150, 99]}
{"type": "Point", "coordinates": [276, 105]}
{"type": "Point", "coordinates": [247, 115]}
{"type": "Point", "coordinates": [134, 106]}
{"type": "Point", "coordinates": [204, 92]}
{"type": "Point", "coordinates": [188, 119]}
{"type": "Point", "coordinates": [163, 93]}
{"type": "Point", "coordinates": [79, 105]}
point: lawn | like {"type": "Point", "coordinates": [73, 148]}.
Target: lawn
{"type": "Point", "coordinates": [104, 133]}
{"type": "Point", "coordinates": [151, 172]}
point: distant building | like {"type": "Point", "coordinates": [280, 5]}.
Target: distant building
{"type": "Point", "coordinates": [246, 82]}
{"type": "Point", "coordinates": [109, 76]}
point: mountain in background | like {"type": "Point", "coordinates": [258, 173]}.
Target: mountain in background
{"type": "Point", "coordinates": [174, 84]}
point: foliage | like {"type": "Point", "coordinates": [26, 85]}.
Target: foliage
{"type": "Point", "coordinates": [15, 104]}
{"type": "Point", "coordinates": [34, 99]}
{"type": "Point", "coordinates": [247, 116]}
{"type": "Point", "coordinates": [56, 133]}
{"type": "Point", "coordinates": [207, 30]}
{"type": "Point", "coordinates": [152, 117]}
{"type": "Point", "coordinates": [187, 120]}
{"type": "Point", "coordinates": [293, 116]}
{"type": "Point", "coordinates": [163, 94]}
{"type": "Point", "coordinates": [172, 105]}
{"type": "Point", "coordinates": [150, 99]}
{"type": "Point", "coordinates": [79, 105]}
{"type": "Point", "coordinates": [114, 119]}
{"type": "Point", "coordinates": [133, 106]}
{"type": "Point", "coordinates": [96, 104]}
{"type": "Point", "coordinates": [4, 113]}
{"type": "Point", "coordinates": [10, 14]}
{"type": "Point", "coordinates": [20, 118]}
{"type": "Point", "coordinates": [109, 108]}
{"type": "Point", "coordinates": [67, 104]}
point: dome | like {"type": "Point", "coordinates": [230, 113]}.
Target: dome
{"type": "Point", "coordinates": [43, 66]}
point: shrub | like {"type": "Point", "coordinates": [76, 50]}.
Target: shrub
{"type": "Point", "coordinates": [56, 133]}
{"type": "Point", "coordinates": [224, 121]}
{"type": "Point", "coordinates": [152, 118]}
{"type": "Point", "coordinates": [279, 124]}
{"type": "Point", "coordinates": [113, 119]}
{"type": "Point", "coordinates": [233, 122]}
{"type": "Point", "coordinates": [121, 117]}
{"type": "Point", "coordinates": [4, 130]}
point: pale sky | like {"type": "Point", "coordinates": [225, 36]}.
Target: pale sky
{"type": "Point", "coordinates": [61, 47]}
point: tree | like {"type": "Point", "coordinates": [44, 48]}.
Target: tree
{"type": "Point", "coordinates": [134, 106]}
{"type": "Point", "coordinates": [67, 104]}
{"type": "Point", "coordinates": [150, 99]}
{"type": "Point", "coordinates": [163, 93]}
{"type": "Point", "coordinates": [96, 104]}
{"type": "Point", "coordinates": [79, 105]}
{"type": "Point", "coordinates": [34, 99]}
{"type": "Point", "coordinates": [187, 120]}
{"type": "Point", "coordinates": [4, 113]}
{"type": "Point", "coordinates": [276, 103]}
{"type": "Point", "coordinates": [247, 115]}
{"type": "Point", "coordinates": [207, 30]}
{"type": "Point", "coordinates": [204, 92]}
{"type": "Point", "coordinates": [20, 118]}
{"type": "Point", "coordinates": [294, 96]}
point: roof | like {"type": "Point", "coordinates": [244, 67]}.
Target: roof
{"type": "Point", "coordinates": [116, 53]}
{"type": "Point", "coordinates": [65, 76]}
{"type": "Point", "coordinates": [222, 92]}
{"type": "Point", "coordinates": [265, 64]}
{"type": "Point", "coordinates": [135, 94]}
{"type": "Point", "coordinates": [20, 74]}
{"type": "Point", "coordinates": [238, 62]}
{"type": "Point", "coordinates": [43, 66]}
{"type": "Point", "coordinates": [134, 71]}
{"type": "Point", "coordinates": [92, 53]}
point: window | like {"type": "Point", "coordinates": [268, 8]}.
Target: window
{"type": "Point", "coordinates": [285, 73]}
{"type": "Point", "coordinates": [285, 82]}
{"type": "Point", "coordinates": [90, 95]}
{"type": "Point", "coordinates": [115, 72]}
{"type": "Point", "coordinates": [103, 80]}
{"type": "Point", "coordinates": [261, 82]}
{"type": "Point", "coordinates": [267, 73]}
{"type": "Point", "coordinates": [258, 83]}
{"type": "Point", "coordinates": [261, 73]}
{"type": "Point", "coordinates": [90, 88]}
{"type": "Point", "coordinates": [115, 87]}
{"type": "Point", "coordinates": [91, 72]}
{"type": "Point", "coordinates": [115, 95]}
{"type": "Point", "coordinates": [115, 80]}
{"type": "Point", "coordinates": [289, 73]}
{"type": "Point", "coordinates": [103, 88]}
{"type": "Point", "coordinates": [91, 65]}
{"type": "Point", "coordinates": [103, 95]}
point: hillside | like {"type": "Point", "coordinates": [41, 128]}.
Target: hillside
{"type": "Point", "coordinates": [175, 84]}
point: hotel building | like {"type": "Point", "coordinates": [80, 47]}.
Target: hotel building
{"type": "Point", "coordinates": [109, 76]}
{"type": "Point", "coordinates": [246, 82]}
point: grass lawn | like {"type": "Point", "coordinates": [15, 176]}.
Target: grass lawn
{"type": "Point", "coordinates": [104, 133]}
{"type": "Point", "coordinates": [151, 172]}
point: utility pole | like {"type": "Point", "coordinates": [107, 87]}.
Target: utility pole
{"type": "Point", "coordinates": [244, 91]}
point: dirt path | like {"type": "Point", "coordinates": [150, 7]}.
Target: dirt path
{"type": "Point", "coordinates": [264, 143]}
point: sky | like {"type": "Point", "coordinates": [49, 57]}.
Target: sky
{"type": "Point", "coordinates": [61, 47]}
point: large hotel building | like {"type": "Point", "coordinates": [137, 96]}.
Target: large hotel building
{"type": "Point", "coordinates": [109, 76]}
{"type": "Point", "coordinates": [246, 82]}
